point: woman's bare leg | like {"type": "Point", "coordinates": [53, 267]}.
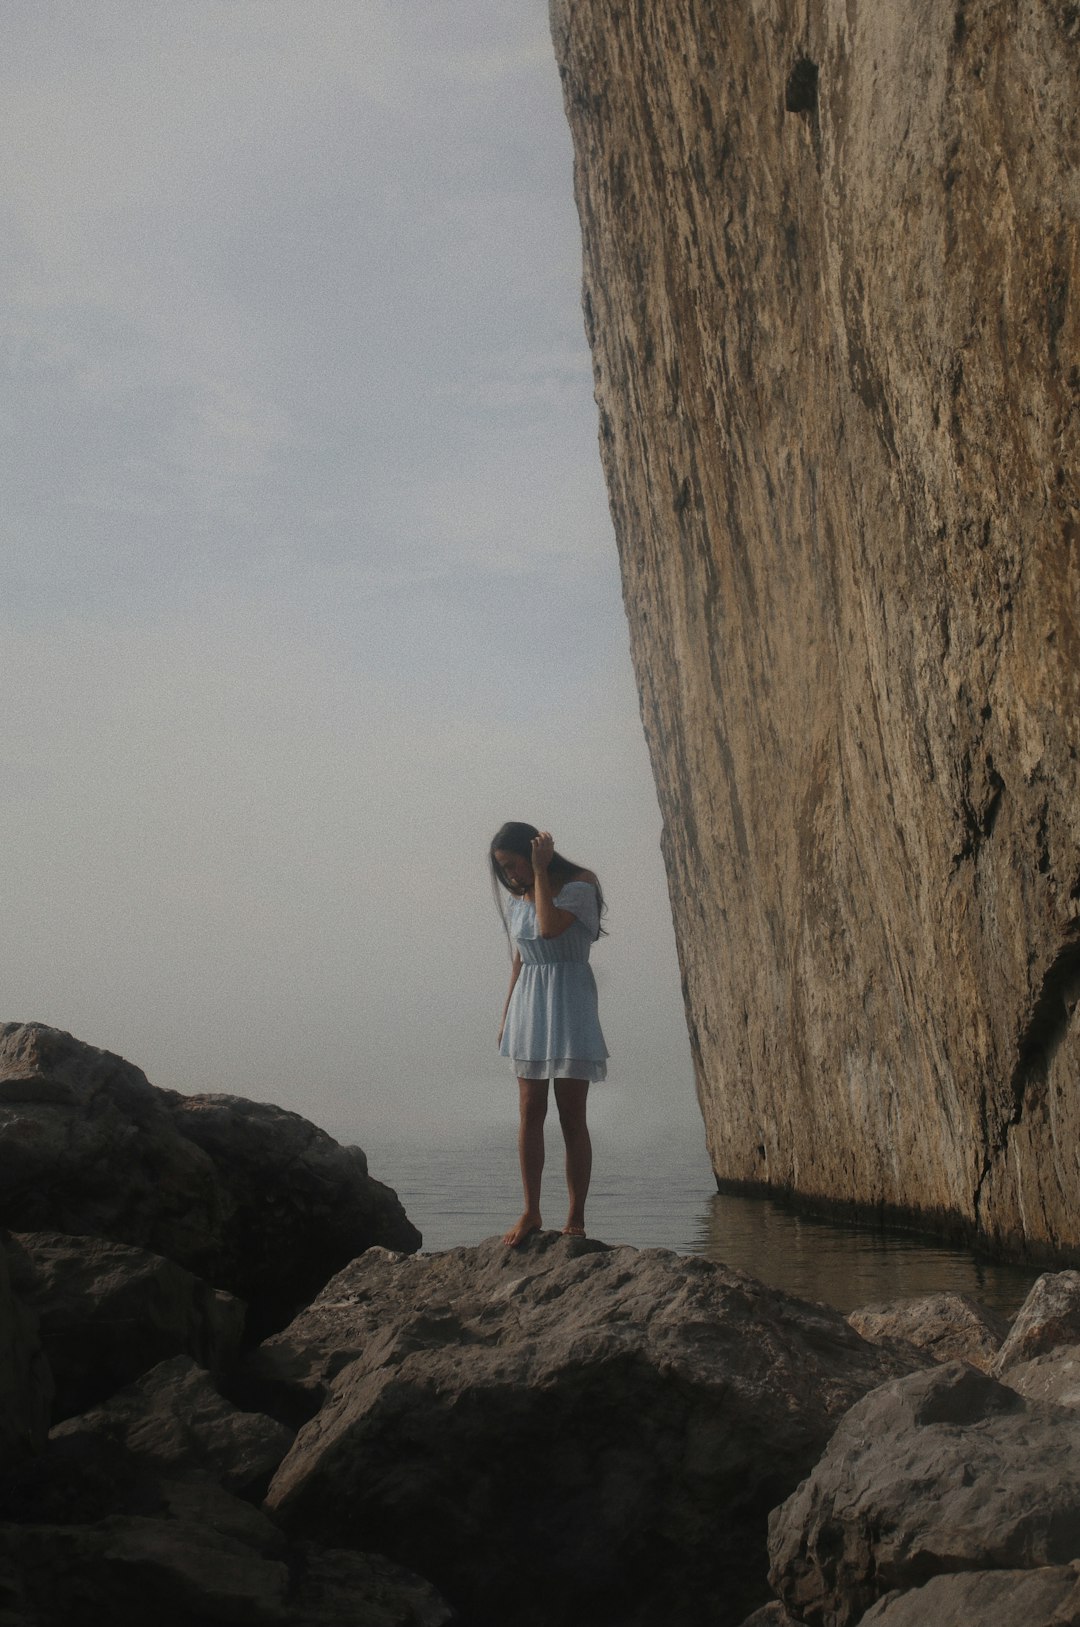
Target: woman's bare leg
{"type": "Point", "coordinates": [533, 1097]}
{"type": "Point", "coordinates": [571, 1095]}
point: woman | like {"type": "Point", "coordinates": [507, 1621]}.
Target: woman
{"type": "Point", "coordinates": [550, 1025]}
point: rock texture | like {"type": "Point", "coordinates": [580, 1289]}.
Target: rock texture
{"type": "Point", "coordinates": [174, 1419]}
{"type": "Point", "coordinates": [253, 1198]}
{"type": "Point", "coordinates": [107, 1312]}
{"type": "Point", "coordinates": [1048, 1597]}
{"type": "Point", "coordinates": [1048, 1319]}
{"type": "Point", "coordinates": [942, 1471]}
{"type": "Point", "coordinates": [565, 1432]}
{"type": "Point", "coordinates": [831, 253]}
{"type": "Point", "coordinates": [948, 1327]}
{"type": "Point", "coordinates": [187, 1554]}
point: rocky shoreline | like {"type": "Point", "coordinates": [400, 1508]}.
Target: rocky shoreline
{"type": "Point", "coordinates": [231, 1390]}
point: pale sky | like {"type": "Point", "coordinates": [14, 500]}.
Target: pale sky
{"type": "Point", "coordinates": [308, 579]}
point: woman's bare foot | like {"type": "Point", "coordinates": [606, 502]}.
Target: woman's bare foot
{"type": "Point", "coordinates": [574, 1228]}
{"type": "Point", "coordinates": [528, 1224]}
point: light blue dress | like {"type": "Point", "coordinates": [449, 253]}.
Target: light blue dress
{"type": "Point", "coordinates": [552, 1028]}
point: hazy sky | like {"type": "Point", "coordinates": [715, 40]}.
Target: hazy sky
{"type": "Point", "coordinates": [308, 580]}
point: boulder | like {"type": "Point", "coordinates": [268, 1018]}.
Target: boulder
{"type": "Point", "coordinates": [91, 1535]}
{"type": "Point", "coordinates": [565, 1431]}
{"type": "Point", "coordinates": [250, 1197]}
{"type": "Point", "coordinates": [1047, 1597]}
{"type": "Point", "coordinates": [944, 1470]}
{"type": "Point", "coordinates": [1049, 1317]}
{"type": "Point", "coordinates": [948, 1327]}
{"type": "Point", "coordinates": [26, 1384]}
{"type": "Point", "coordinates": [1053, 1376]}
{"type": "Point", "coordinates": [203, 1558]}
{"type": "Point", "coordinates": [108, 1311]}
{"type": "Point", "coordinates": [174, 1420]}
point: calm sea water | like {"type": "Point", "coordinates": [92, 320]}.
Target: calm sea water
{"type": "Point", "coordinates": [661, 1194]}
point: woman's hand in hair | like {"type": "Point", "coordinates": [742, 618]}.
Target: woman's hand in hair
{"type": "Point", "coordinates": [543, 846]}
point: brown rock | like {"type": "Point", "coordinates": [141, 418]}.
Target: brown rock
{"type": "Point", "coordinates": [945, 1470]}
{"type": "Point", "coordinates": [948, 1327]}
{"type": "Point", "coordinates": [1047, 1597]}
{"type": "Point", "coordinates": [252, 1198]}
{"type": "Point", "coordinates": [565, 1431]}
{"type": "Point", "coordinates": [107, 1312]}
{"type": "Point", "coordinates": [830, 265]}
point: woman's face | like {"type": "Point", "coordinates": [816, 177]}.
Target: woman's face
{"type": "Point", "coordinates": [518, 871]}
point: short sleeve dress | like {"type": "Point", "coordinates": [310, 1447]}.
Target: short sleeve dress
{"type": "Point", "coordinates": [552, 1027]}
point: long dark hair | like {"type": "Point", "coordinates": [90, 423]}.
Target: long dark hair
{"type": "Point", "coordinates": [517, 837]}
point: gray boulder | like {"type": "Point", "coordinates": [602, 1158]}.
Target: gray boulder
{"type": "Point", "coordinates": [1048, 1318]}
{"type": "Point", "coordinates": [1053, 1376]}
{"type": "Point", "coordinates": [1047, 1597]}
{"type": "Point", "coordinates": [945, 1470]}
{"type": "Point", "coordinates": [565, 1431]}
{"type": "Point", "coordinates": [108, 1311]}
{"type": "Point", "coordinates": [948, 1327]}
{"type": "Point", "coordinates": [174, 1420]}
{"type": "Point", "coordinates": [26, 1384]}
{"type": "Point", "coordinates": [250, 1197]}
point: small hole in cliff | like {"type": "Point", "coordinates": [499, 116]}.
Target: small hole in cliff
{"type": "Point", "coordinates": [800, 94]}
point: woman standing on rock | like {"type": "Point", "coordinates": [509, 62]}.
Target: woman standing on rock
{"type": "Point", "coordinates": [550, 1025]}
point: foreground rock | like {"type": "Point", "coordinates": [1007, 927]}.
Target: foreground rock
{"type": "Point", "coordinates": [195, 1555]}
{"type": "Point", "coordinates": [1048, 1319]}
{"type": "Point", "coordinates": [174, 1420]}
{"type": "Point", "coordinates": [248, 1196]}
{"type": "Point", "coordinates": [942, 1471]}
{"type": "Point", "coordinates": [948, 1327]}
{"type": "Point", "coordinates": [1047, 1597]}
{"type": "Point", "coordinates": [830, 263]}
{"type": "Point", "coordinates": [132, 1514]}
{"type": "Point", "coordinates": [26, 1384]}
{"type": "Point", "coordinates": [562, 1432]}
{"type": "Point", "coordinates": [107, 1312]}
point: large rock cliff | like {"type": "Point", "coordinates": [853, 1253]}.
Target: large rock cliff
{"type": "Point", "coordinates": [831, 256]}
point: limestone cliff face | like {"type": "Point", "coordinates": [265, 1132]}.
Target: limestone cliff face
{"type": "Point", "coordinates": [831, 260]}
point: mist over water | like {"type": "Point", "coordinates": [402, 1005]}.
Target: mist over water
{"type": "Point", "coordinates": [660, 1193]}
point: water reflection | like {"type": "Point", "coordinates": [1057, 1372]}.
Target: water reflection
{"type": "Point", "coordinates": [847, 1266]}
{"type": "Point", "coordinates": [663, 1196]}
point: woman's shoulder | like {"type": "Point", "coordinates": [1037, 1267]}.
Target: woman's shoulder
{"type": "Point", "coordinates": [585, 875]}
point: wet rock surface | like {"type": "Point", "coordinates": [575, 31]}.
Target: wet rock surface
{"type": "Point", "coordinates": [566, 1429]}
